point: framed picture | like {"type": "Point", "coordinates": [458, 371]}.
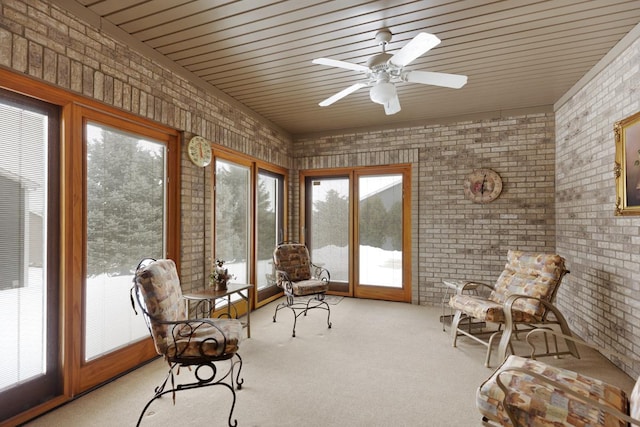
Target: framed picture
{"type": "Point", "coordinates": [627, 166]}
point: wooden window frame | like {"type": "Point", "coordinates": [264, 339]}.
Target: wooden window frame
{"type": "Point", "coordinates": [77, 377]}
{"type": "Point", "coordinates": [254, 165]}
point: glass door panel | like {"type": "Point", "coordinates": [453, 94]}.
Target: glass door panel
{"type": "Point", "coordinates": [327, 227]}
{"type": "Point", "coordinates": [29, 263]}
{"type": "Point", "coordinates": [126, 203]}
{"type": "Point", "coordinates": [270, 230]}
{"type": "Point", "coordinates": [232, 218]}
{"type": "Point", "coordinates": [381, 242]}
{"type": "Point", "coordinates": [380, 230]}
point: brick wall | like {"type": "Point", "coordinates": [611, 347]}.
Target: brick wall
{"type": "Point", "coordinates": [602, 295]}
{"type": "Point", "coordinates": [43, 41]}
{"type": "Point", "coordinates": [451, 236]}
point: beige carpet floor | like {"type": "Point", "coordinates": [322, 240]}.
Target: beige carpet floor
{"type": "Point", "coordinates": [381, 364]}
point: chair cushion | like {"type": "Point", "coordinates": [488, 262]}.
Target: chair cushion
{"type": "Point", "coordinates": [201, 339]}
{"type": "Point", "coordinates": [293, 259]}
{"type": "Point", "coordinates": [162, 295]}
{"type": "Point", "coordinates": [536, 275]}
{"type": "Point", "coordinates": [487, 310]}
{"type": "Point", "coordinates": [534, 404]}
{"type": "Point", "coordinates": [309, 287]}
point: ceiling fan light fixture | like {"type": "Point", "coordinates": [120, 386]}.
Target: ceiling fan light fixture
{"type": "Point", "coordinates": [382, 92]}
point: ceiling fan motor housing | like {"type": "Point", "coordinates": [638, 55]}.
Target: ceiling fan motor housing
{"type": "Point", "coordinates": [379, 62]}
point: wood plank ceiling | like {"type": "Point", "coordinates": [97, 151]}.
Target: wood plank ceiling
{"type": "Point", "coordinates": [517, 54]}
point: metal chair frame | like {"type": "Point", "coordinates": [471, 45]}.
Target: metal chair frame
{"type": "Point", "coordinates": [316, 301]}
{"type": "Point", "coordinates": [510, 325]}
{"type": "Point", "coordinates": [206, 372]}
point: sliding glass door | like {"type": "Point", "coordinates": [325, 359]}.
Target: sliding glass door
{"type": "Point", "coordinates": [327, 226]}
{"type": "Point", "coordinates": [380, 226]}
{"type": "Point", "coordinates": [269, 230]}
{"type": "Point", "coordinates": [356, 224]}
{"type": "Point", "coordinates": [29, 253]}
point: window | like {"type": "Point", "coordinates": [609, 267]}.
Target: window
{"type": "Point", "coordinates": [126, 200]}
{"type": "Point", "coordinates": [29, 255]}
{"type": "Point", "coordinates": [232, 217]}
{"type": "Point", "coordinates": [249, 219]}
{"type": "Point", "coordinates": [269, 229]}
{"type": "Point", "coordinates": [56, 226]}
{"type": "Point", "coordinates": [129, 211]}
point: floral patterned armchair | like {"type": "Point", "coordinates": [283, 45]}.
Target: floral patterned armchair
{"type": "Point", "coordinates": [529, 392]}
{"type": "Point", "coordinates": [182, 341]}
{"type": "Point", "coordinates": [299, 277]}
{"type": "Point", "coordinates": [522, 295]}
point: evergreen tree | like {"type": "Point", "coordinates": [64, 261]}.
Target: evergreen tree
{"type": "Point", "coordinates": [125, 199]}
{"type": "Point", "coordinates": [267, 232]}
{"type": "Point", "coordinates": [231, 213]}
{"type": "Point", "coordinates": [394, 226]}
{"type": "Point", "coordinates": [331, 221]}
{"type": "Point", "coordinates": [373, 222]}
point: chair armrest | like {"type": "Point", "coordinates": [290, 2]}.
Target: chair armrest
{"type": "Point", "coordinates": [320, 273]}
{"type": "Point", "coordinates": [552, 384]}
{"type": "Point", "coordinates": [471, 285]}
{"type": "Point", "coordinates": [185, 329]}
{"type": "Point", "coordinates": [283, 281]}
{"type": "Point", "coordinates": [511, 299]}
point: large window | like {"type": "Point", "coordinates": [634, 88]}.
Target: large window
{"type": "Point", "coordinates": [29, 256]}
{"type": "Point", "coordinates": [128, 212]}
{"type": "Point", "coordinates": [249, 220]}
{"type": "Point", "coordinates": [232, 217]}
{"type": "Point", "coordinates": [126, 200]}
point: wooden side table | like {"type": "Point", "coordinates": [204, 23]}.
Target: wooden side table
{"type": "Point", "coordinates": [206, 301]}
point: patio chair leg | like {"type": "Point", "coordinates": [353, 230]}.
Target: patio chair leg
{"type": "Point", "coordinates": [505, 341]}
{"type": "Point", "coordinates": [454, 327]}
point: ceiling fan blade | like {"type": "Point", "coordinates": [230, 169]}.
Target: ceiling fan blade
{"type": "Point", "coordinates": [455, 81]}
{"type": "Point", "coordinates": [341, 64]}
{"type": "Point", "coordinates": [417, 46]}
{"type": "Point", "coordinates": [392, 106]}
{"type": "Point", "coordinates": [338, 96]}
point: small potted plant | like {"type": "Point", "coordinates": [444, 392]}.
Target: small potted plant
{"type": "Point", "coordinates": [220, 276]}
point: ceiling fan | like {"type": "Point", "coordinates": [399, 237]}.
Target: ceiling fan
{"type": "Point", "coordinates": [384, 70]}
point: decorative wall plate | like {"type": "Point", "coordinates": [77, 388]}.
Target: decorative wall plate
{"type": "Point", "coordinates": [199, 151]}
{"type": "Point", "coordinates": [482, 186]}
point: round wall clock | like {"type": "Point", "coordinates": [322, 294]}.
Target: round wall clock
{"type": "Point", "coordinates": [483, 186]}
{"type": "Point", "coordinates": [199, 151]}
